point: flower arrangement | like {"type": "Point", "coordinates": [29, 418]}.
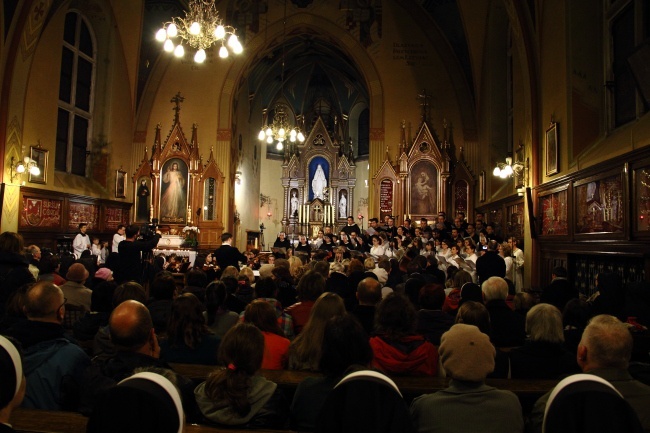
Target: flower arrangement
{"type": "Point", "coordinates": [190, 236]}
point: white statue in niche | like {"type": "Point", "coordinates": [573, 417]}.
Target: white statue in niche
{"type": "Point", "coordinates": [343, 206]}
{"type": "Point", "coordinates": [294, 204]}
{"type": "Point", "coordinates": [319, 183]}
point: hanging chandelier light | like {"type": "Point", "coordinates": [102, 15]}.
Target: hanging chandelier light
{"type": "Point", "coordinates": [280, 130]}
{"type": "Point", "coordinates": [200, 29]}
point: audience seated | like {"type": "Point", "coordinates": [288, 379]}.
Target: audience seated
{"type": "Point", "coordinates": [267, 290]}
{"type": "Point", "coordinates": [145, 402]}
{"type": "Point", "coordinates": [189, 340]}
{"type": "Point", "coordinates": [432, 322]}
{"type": "Point", "coordinates": [195, 283]}
{"type": "Point", "coordinates": [368, 295]}
{"type": "Point", "coordinates": [162, 290]}
{"type": "Point", "coordinates": [575, 317]}
{"type": "Point", "coordinates": [305, 351]}
{"type": "Point", "coordinates": [12, 391]}
{"type": "Point", "coordinates": [101, 305]}
{"type": "Point", "coordinates": [14, 266]}
{"type": "Point", "coordinates": [467, 356]}
{"type": "Point", "coordinates": [48, 269]}
{"type": "Point", "coordinates": [218, 317]}
{"type": "Point", "coordinates": [261, 314]}
{"type": "Point", "coordinates": [508, 327]}
{"type": "Point", "coordinates": [610, 296]}
{"type": "Point", "coordinates": [235, 395]}
{"type": "Point", "coordinates": [560, 291]}
{"type": "Point", "coordinates": [543, 355]}
{"type": "Point", "coordinates": [309, 288]}
{"type": "Point", "coordinates": [605, 351]}
{"type": "Point", "coordinates": [397, 348]}
{"type": "Point", "coordinates": [345, 345]}
{"type": "Point", "coordinates": [52, 362]}
{"type": "Point", "coordinates": [584, 403]}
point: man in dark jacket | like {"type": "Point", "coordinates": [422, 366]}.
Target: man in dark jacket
{"type": "Point", "coordinates": [490, 264]}
{"type": "Point", "coordinates": [136, 344]}
{"type": "Point", "coordinates": [508, 327]}
{"type": "Point", "coordinates": [131, 249]}
{"type": "Point", "coordinates": [227, 255]}
{"type": "Point", "coordinates": [560, 291]}
{"type": "Point", "coordinates": [52, 362]}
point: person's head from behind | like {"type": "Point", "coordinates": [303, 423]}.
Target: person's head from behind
{"type": "Point", "coordinates": [495, 289]}
{"type": "Point", "coordinates": [132, 231]}
{"type": "Point", "coordinates": [432, 296]}
{"type": "Point", "coordinates": [369, 291]}
{"type": "Point", "coordinates": [327, 305]}
{"type": "Point", "coordinates": [345, 344]}
{"type": "Point", "coordinates": [146, 402]}
{"type": "Point", "coordinates": [163, 286]}
{"type": "Point", "coordinates": [576, 314]}
{"type": "Point", "coordinates": [226, 237]}
{"type": "Point", "coordinates": [186, 322]}
{"type": "Point", "coordinates": [523, 301]}
{"type": "Point", "coordinates": [44, 302]}
{"type": "Point", "coordinates": [606, 343]}
{"type": "Point", "coordinates": [544, 323]}
{"type": "Point", "coordinates": [395, 316]}
{"type": "Point", "coordinates": [12, 391]}
{"type": "Point", "coordinates": [475, 313]}
{"type": "Point", "coordinates": [466, 353]}
{"type": "Point", "coordinates": [262, 314]}
{"type": "Point", "coordinates": [11, 242]}
{"type": "Point", "coordinates": [461, 278]}
{"type": "Point", "coordinates": [129, 291]}
{"type": "Point", "coordinates": [196, 278]}
{"type": "Point", "coordinates": [241, 351]}
{"type": "Point", "coordinates": [131, 329]}
{"type": "Point", "coordinates": [310, 286]}
{"type": "Point", "coordinates": [559, 272]}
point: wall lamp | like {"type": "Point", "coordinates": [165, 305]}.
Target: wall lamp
{"type": "Point", "coordinates": [507, 169]}
{"type": "Point", "coordinates": [238, 177]}
{"type": "Point", "coordinates": [18, 167]}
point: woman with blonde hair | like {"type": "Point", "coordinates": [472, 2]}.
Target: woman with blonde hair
{"type": "Point", "coordinates": [505, 251]}
{"type": "Point", "coordinates": [295, 267]}
{"type": "Point", "coordinates": [305, 350]}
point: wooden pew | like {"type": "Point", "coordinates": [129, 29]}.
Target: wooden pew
{"type": "Point", "coordinates": [410, 387]}
{"type": "Point", "coordinates": [47, 421]}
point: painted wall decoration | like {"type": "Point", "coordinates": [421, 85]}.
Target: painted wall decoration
{"type": "Point", "coordinates": [423, 188]}
{"type": "Point", "coordinates": [41, 212]}
{"type": "Point", "coordinates": [599, 206]}
{"type": "Point", "coordinates": [385, 198]}
{"type": "Point", "coordinates": [554, 214]}
{"type": "Point", "coordinates": [143, 200]}
{"type": "Point", "coordinates": [173, 192]}
{"type": "Point", "coordinates": [642, 201]}
{"type": "Point", "coordinates": [114, 216]}
{"type": "Point", "coordinates": [83, 213]}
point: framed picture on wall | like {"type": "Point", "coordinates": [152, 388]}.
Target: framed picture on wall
{"type": "Point", "coordinates": [39, 157]}
{"type": "Point", "coordinates": [552, 150]}
{"type": "Point", "coordinates": [600, 204]}
{"type": "Point", "coordinates": [120, 184]}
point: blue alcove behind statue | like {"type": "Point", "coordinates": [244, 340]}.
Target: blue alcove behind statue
{"type": "Point", "coordinates": [313, 165]}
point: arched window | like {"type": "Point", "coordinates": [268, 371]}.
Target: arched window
{"type": "Point", "coordinates": [76, 87]}
{"type": "Point", "coordinates": [363, 133]}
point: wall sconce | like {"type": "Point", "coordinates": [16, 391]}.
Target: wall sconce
{"type": "Point", "coordinates": [507, 169]}
{"type": "Point", "coordinates": [19, 167]}
{"type": "Point", "coordinates": [238, 177]}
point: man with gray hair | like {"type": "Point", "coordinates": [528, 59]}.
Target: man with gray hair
{"type": "Point", "coordinates": [605, 351]}
{"type": "Point", "coordinates": [508, 327]}
{"type": "Point", "coordinates": [52, 362]}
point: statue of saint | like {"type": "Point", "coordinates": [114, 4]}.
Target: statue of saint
{"type": "Point", "coordinates": [343, 206]}
{"type": "Point", "coordinates": [294, 204]}
{"type": "Point", "coordinates": [319, 183]}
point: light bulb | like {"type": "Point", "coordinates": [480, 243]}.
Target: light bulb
{"type": "Point", "coordinates": [34, 170]}
{"type": "Point", "coordinates": [292, 138]}
{"type": "Point", "coordinates": [503, 174]}
{"type": "Point", "coordinates": [269, 131]}
{"type": "Point", "coordinates": [497, 171]}
{"type": "Point", "coordinates": [161, 35]}
{"type": "Point", "coordinates": [279, 146]}
{"type": "Point", "coordinates": [195, 28]}
{"type": "Point", "coordinates": [172, 30]}
{"type": "Point", "coordinates": [168, 46]}
{"type": "Point", "coordinates": [232, 41]}
{"type": "Point", "coordinates": [301, 137]}
{"type": "Point", "coordinates": [199, 57]}
{"type": "Point", "coordinates": [179, 51]}
{"type": "Point", "coordinates": [220, 32]}
{"type": "Point", "coordinates": [20, 168]}
{"type": "Point", "coordinates": [293, 133]}
{"type": "Point", "coordinates": [261, 135]}
{"type": "Point", "coordinates": [238, 48]}
{"type": "Point", "coordinates": [508, 170]}
{"type": "Point", "coordinates": [269, 139]}
{"type": "Point", "coordinates": [281, 132]}
{"type": "Point", "coordinates": [223, 52]}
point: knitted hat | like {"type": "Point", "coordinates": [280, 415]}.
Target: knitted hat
{"type": "Point", "coordinates": [145, 402]}
{"type": "Point", "coordinates": [11, 371]}
{"type": "Point", "coordinates": [466, 353]}
{"type": "Point", "coordinates": [103, 273]}
{"type": "Point", "coordinates": [77, 273]}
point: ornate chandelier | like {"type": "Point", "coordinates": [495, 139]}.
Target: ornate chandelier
{"type": "Point", "coordinates": [280, 130]}
{"type": "Point", "coordinates": [200, 29]}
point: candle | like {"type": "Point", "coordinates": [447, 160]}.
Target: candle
{"type": "Point", "coordinates": [255, 243]}
{"type": "Point", "coordinates": [151, 213]}
{"type": "Point", "coordinates": [307, 213]}
{"type": "Point", "coordinates": [189, 215]}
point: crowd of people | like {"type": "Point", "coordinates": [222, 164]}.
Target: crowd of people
{"type": "Point", "coordinates": [101, 338]}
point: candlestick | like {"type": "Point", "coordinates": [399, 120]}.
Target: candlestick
{"type": "Point", "coordinates": [151, 213]}
{"type": "Point", "coordinates": [255, 243]}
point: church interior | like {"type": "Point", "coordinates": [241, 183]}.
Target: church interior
{"type": "Point", "coordinates": [533, 113]}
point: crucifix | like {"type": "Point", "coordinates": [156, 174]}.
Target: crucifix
{"type": "Point", "coordinates": [425, 104]}
{"type": "Point", "coordinates": [317, 211]}
{"type": "Point", "coordinates": [177, 99]}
